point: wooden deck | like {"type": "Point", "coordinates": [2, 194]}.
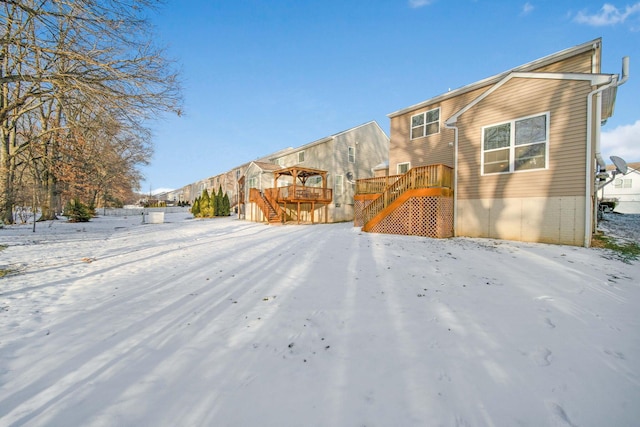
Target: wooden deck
{"type": "Point", "coordinates": [411, 204]}
{"type": "Point", "coordinates": [301, 194]}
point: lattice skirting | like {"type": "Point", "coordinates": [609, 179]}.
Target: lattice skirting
{"type": "Point", "coordinates": [420, 216]}
{"type": "Point", "coordinates": [358, 217]}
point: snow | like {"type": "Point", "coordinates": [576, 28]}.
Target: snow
{"type": "Point", "coordinates": [231, 323]}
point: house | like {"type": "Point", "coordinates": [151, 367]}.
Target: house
{"type": "Point", "coordinates": [316, 181]}
{"type": "Point", "coordinates": [228, 181]}
{"type": "Point", "coordinates": [513, 156]}
{"type": "Point", "coordinates": [624, 190]}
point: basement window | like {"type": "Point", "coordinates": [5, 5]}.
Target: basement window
{"type": "Point", "coordinates": [403, 168]}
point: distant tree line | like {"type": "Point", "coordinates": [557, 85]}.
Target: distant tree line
{"type": "Point", "coordinates": [79, 82]}
{"type": "Point", "coordinates": [207, 206]}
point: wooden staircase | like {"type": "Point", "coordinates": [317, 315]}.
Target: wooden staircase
{"type": "Point", "coordinates": [271, 210]}
{"type": "Point", "coordinates": [383, 196]}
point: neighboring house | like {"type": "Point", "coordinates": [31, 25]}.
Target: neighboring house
{"type": "Point", "coordinates": [625, 189]}
{"type": "Point", "coordinates": [324, 173]}
{"type": "Point", "coordinates": [513, 156]}
{"type": "Point", "coordinates": [227, 180]}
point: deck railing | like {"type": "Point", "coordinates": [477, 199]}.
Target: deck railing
{"type": "Point", "coordinates": [266, 203]}
{"type": "Point", "coordinates": [375, 185]}
{"type": "Point", "coordinates": [420, 177]}
{"type": "Point", "coordinates": [299, 193]}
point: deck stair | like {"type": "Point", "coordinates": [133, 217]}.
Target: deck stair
{"type": "Point", "coordinates": [388, 195]}
{"type": "Point", "coordinates": [269, 208]}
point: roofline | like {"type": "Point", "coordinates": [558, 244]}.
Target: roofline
{"type": "Point", "coordinates": [594, 79]}
{"type": "Point", "coordinates": [549, 59]}
{"type": "Point", "coordinates": [332, 137]}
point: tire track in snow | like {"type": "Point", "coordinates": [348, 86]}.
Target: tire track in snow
{"type": "Point", "coordinates": [151, 330]}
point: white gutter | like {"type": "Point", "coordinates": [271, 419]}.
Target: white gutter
{"type": "Point", "coordinates": [614, 83]}
{"type": "Point", "coordinates": [591, 208]}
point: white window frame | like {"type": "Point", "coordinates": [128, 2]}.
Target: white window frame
{"type": "Point", "coordinates": [623, 183]}
{"type": "Point", "coordinates": [253, 182]}
{"type": "Point", "coordinates": [512, 145]}
{"type": "Point", "coordinates": [351, 154]}
{"type": "Point", "coordinates": [425, 124]}
{"type": "Point", "coordinates": [338, 185]}
{"type": "Point", "coordinates": [402, 164]}
{"type": "Point", "coordinates": [301, 156]}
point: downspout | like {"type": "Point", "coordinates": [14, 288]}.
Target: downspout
{"type": "Point", "coordinates": [591, 209]}
{"type": "Point", "coordinates": [455, 176]}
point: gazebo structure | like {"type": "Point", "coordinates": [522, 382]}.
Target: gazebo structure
{"type": "Point", "coordinates": [297, 200]}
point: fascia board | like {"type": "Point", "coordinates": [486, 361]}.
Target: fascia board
{"type": "Point", "coordinates": [594, 79]}
{"type": "Point", "coordinates": [538, 63]}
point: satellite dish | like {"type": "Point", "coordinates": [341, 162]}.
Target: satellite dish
{"type": "Point", "coordinates": [349, 176]}
{"type": "Point", "coordinates": [620, 164]}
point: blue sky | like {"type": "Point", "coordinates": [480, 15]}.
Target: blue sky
{"type": "Point", "coordinates": [260, 76]}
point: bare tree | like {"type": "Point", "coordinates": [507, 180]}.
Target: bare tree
{"type": "Point", "coordinates": [83, 71]}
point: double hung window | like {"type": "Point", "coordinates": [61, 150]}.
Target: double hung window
{"type": "Point", "coordinates": [517, 145]}
{"type": "Point", "coordinates": [424, 124]}
{"type": "Point", "coordinates": [352, 154]}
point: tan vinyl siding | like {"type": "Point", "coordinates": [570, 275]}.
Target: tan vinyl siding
{"type": "Point", "coordinates": [566, 102]}
{"type": "Point", "coordinates": [575, 64]}
{"type": "Point", "coordinates": [428, 150]}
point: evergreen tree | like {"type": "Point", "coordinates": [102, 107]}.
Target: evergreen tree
{"type": "Point", "coordinates": [218, 202]}
{"type": "Point", "coordinates": [195, 208]}
{"type": "Point", "coordinates": [205, 204]}
{"type": "Point", "coordinates": [226, 205]}
{"type": "Point", "coordinates": [77, 211]}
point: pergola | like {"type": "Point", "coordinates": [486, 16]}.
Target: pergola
{"type": "Point", "coordinates": [299, 192]}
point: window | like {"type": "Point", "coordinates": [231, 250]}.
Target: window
{"type": "Point", "coordinates": [237, 174]}
{"type": "Point", "coordinates": [352, 154]}
{"type": "Point", "coordinates": [403, 168]}
{"type": "Point", "coordinates": [314, 181]}
{"type": "Point", "coordinates": [514, 146]}
{"type": "Point", "coordinates": [425, 124]}
{"type": "Point", "coordinates": [338, 185]}
{"type": "Point", "coordinates": [301, 157]}
{"type": "Point", "coordinates": [622, 183]}
{"type": "Point", "coordinates": [253, 182]}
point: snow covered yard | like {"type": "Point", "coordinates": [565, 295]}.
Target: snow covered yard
{"type": "Point", "coordinates": [231, 323]}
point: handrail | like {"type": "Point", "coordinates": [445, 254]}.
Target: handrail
{"type": "Point", "coordinates": [420, 177]}
{"type": "Point", "coordinates": [375, 185]}
{"type": "Point", "coordinates": [264, 203]}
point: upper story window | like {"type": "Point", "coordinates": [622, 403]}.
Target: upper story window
{"type": "Point", "coordinates": [237, 173]}
{"type": "Point", "coordinates": [253, 182]}
{"type": "Point", "coordinates": [338, 185]}
{"type": "Point", "coordinates": [301, 157]}
{"type": "Point", "coordinates": [517, 145]}
{"type": "Point", "coordinates": [425, 124]}
{"type": "Point", "coordinates": [403, 168]}
{"type": "Point", "coordinates": [352, 154]}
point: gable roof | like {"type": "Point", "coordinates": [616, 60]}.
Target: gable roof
{"type": "Point", "coordinates": [635, 166]}
{"type": "Point", "coordinates": [530, 66]}
{"type": "Point", "coordinates": [334, 136]}
{"type": "Point", "coordinates": [265, 166]}
{"type": "Point", "coordinates": [595, 79]}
